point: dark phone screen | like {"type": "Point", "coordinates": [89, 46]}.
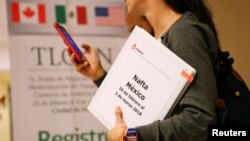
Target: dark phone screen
{"type": "Point", "coordinates": [71, 41]}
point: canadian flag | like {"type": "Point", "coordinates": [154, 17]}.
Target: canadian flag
{"type": "Point", "coordinates": [28, 13]}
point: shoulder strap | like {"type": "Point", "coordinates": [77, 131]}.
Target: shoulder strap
{"type": "Point", "coordinates": [225, 65]}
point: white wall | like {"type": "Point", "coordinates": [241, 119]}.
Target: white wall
{"type": "Point", "coordinates": [4, 52]}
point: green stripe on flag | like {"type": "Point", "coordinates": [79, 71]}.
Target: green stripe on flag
{"type": "Point", "coordinates": [60, 14]}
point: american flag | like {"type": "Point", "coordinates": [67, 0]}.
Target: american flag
{"type": "Point", "coordinates": [110, 16]}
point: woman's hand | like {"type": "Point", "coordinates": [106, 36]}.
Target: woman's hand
{"type": "Point", "coordinates": [119, 131]}
{"type": "Point", "coordinates": [91, 67]}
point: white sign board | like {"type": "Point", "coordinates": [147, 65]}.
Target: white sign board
{"type": "Point", "coordinates": [49, 98]}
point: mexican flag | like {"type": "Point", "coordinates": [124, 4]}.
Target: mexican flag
{"type": "Point", "coordinates": [72, 15]}
{"type": "Point", "coordinates": [28, 13]}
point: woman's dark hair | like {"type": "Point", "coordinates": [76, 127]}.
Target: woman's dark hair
{"type": "Point", "coordinates": [199, 8]}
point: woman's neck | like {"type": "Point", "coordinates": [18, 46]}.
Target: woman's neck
{"type": "Point", "coordinates": [161, 20]}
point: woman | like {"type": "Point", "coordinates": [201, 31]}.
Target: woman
{"type": "Point", "coordinates": [186, 28]}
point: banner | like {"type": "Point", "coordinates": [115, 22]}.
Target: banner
{"type": "Point", "coordinates": [48, 96]}
{"type": "Point", "coordinates": [81, 17]}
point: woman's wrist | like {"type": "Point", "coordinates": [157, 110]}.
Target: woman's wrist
{"type": "Point", "coordinates": [130, 134]}
{"type": "Point", "coordinates": [99, 74]}
{"type": "Point", "coordinates": [98, 82]}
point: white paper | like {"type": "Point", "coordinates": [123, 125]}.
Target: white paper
{"type": "Point", "coordinates": [145, 81]}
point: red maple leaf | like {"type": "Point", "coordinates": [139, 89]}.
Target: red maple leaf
{"type": "Point", "coordinates": [28, 12]}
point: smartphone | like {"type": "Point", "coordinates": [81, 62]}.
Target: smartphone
{"type": "Point", "coordinates": [69, 42]}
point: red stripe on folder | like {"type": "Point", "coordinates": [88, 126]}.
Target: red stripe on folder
{"type": "Point", "coordinates": [187, 76]}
